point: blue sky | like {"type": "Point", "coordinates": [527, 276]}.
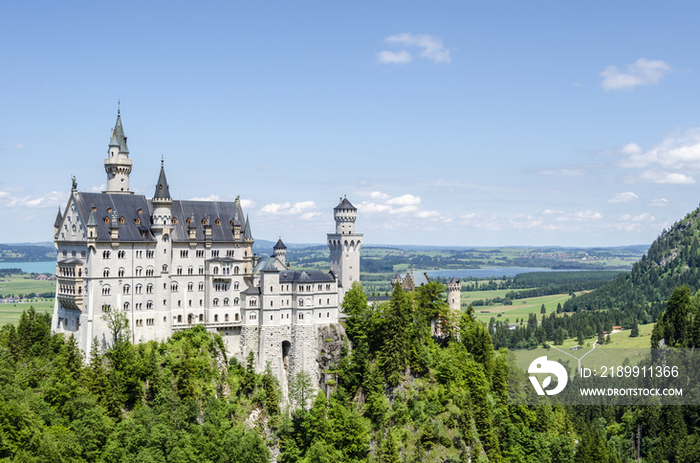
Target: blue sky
{"type": "Point", "coordinates": [446, 123]}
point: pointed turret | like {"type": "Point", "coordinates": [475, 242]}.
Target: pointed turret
{"type": "Point", "coordinates": [247, 234]}
{"type": "Point", "coordinates": [162, 189]}
{"type": "Point", "coordinates": [280, 251]}
{"type": "Point", "coordinates": [57, 222]}
{"type": "Point", "coordinates": [92, 220]}
{"type": "Point", "coordinates": [118, 164]}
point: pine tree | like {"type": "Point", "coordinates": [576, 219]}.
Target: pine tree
{"type": "Point", "coordinates": [543, 309]}
{"type": "Point", "coordinates": [394, 354]}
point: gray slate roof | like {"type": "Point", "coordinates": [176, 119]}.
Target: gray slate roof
{"type": "Point", "coordinates": [126, 206]}
{"type": "Point", "coordinates": [118, 138]}
{"type": "Point", "coordinates": [59, 218]}
{"type": "Point", "coordinates": [305, 276]}
{"type": "Point", "coordinates": [226, 212]}
{"type": "Point", "coordinates": [278, 245]}
{"type": "Point", "coordinates": [162, 189]}
{"type": "Point", "coordinates": [345, 204]}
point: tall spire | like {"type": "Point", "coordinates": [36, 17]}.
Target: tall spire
{"type": "Point", "coordinates": [118, 165]}
{"type": "Point", "coordinates": [59, 218]}
{"type": "Point", "coordinates": [247, 234]}
{"type": "Point", "coordinates": [162, 190]}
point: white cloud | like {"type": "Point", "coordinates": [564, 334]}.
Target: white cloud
{"type": "Point", "coordinates": [98, 188]}
{"type": "Point", "coordinates": [53, 199]}
{"type": "Point", "coordinates": [580, 216]}
{"type": "Point", "coordinates": [675, 178]}
{"type": "Point", "coordinates": [552, 211]}
{"type": "Point", "coordinates": [432, 49]}
{"type": "Point", "coordinates": [659, 202]}
{"type": "Point", "coordinates": [19, 146]}
{"type": "Point", "coordinates": [641, 72]}
{"type": "Point", "coordinates": [623, 197]}
{"type": "Point", "coordinates": [208, 198]}
{"type": "Point", "coordinates": [246, 203]}
{"type": "Point", "coordinates": [300, 208]}
{"type": "Point", "coordinates": [405, 200]}
{"type": "Point", "coordinates": [427, 214]}
{"type": "Point", "coordinates": [379, 195]}
{"type": "Point", "coordinates": [399, 57]}
{"type": "Point", "coordinates": [641, 222]}
{"type": "Point", "coordinates": [631, 148]}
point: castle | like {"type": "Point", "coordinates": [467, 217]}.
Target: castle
{"type": "Point", "coordinates": [167, 265]}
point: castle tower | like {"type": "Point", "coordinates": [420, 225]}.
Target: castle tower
{"type": "Point", "coordinates": [162, 227]}
{"type": "Point", "coordinates": [118, 164]}
{"type": "Point", "coordinates": [454, 294]}
{"type": "Point", "coordinates": [280, 251]}
{"type": "Point", "coordinates": [345, 247]}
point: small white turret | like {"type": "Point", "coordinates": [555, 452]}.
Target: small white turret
{"type": "Point", "coordinates": [118, 164]}
{"type": "Point", "coordinates": [454, 294]}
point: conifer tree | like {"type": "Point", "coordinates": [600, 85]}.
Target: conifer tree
{"type": "Point", "coordinates": [397, 327]}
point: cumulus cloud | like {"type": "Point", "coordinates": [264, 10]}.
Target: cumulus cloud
{"type": "Point", "coordinates": [383, 203]}
{"type": "Point", "coordinates": [552, 211]}
{"type": "Point", "coordinates": [580, 216]}
{"type": "Point", "coordinates": [641, 72]}
{"type": "Point", "coordinates": [623, 197]}
{"type": "Point", "coordinates": [427, 214]}
{"type": "Point", "coordinates": [399, 57]}
{"type": "Point", "coordinates": [405, 200]}
{"type": "Point", "coordinates": [659, 202]}
{"type": "Point", "coordinates": [246, 203]}
{"type": "Point", "coordinates": [631, 148]}
{"type": "Point", "coordinates": [644, 221]}
{"type": "Point", "coordinates": [379, 195]}
{"type": "Point", "coordinates": [304, 209]}
{"type": "Point", "coordinates": [431, 47]}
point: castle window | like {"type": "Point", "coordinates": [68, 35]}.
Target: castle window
{"type": "Point", "coordinates": [105, 273]}
{"type": "Point", "coordinates": [189, 303]}
{"type": "Point", "coordinates": [270, 320]}
{"type": "Point", "coordinates": [106, 290]}
{"type": "Point", "coordinates": [319, 302]}
{"type": "Point", "coordinates": [179, 318]}
{"type": "Point", "coordinates": [126, 289]}
{"type": "Point", "coordinates": [253, 302]}
{"type": "Point", "coordinates": [190, 270]}
{"type": "Point", "coordinates": [165, 302]}
{"type": "Point", "coordinates": [126, 306]}
{"type": "Point", "coordinates": [201, 270]}
{"type": "Point", "coordinates": [216, 302]}
{"type": "Point", "coordinates": [235, 286]}
{"type": "Point", "coordinates": [236, 301]}
{"type": "Point", "coordinates": [301, 288]}
{"type": "Point", "coordinates": [301, 303]}
{"type": "Point", "coordinates": [235, 270]}
{"type": "Point", "coordinates": [109, 210]}
{"type": "Point", "coordinates": [106, 307]}
{"type": "Point", "coordinates": [188, 221]}
{"type": "Point", "coordinates": [320, 287]}
{"type": "Point", "coordinates": [105, 254]}
{"type": "Point", "coordinates": [150, 254]}
{"type": "Point", "coordinates": [201, 317]}
{"type": "Point", "coordinates": [301, 316]}
{"type": "Point", "coordinates": [328, 315]}
{"type": "Point", "coordinates": [308, 287]}
{"type": "Point", "coordinates": [190, 286]}
{"type": "Point", "coordinates": [235, 318]}
{"type": "Point", "coordinates": [179, 270]}
{"type": "Point", "coordinates": [328, 287]}
{"type": "Point", "coordinates": [319, 315]}
{"type": "Point", "coordinates": [215, 253]}
{"type": "Point", "coordinates": [226, 301]}
{"type": "Point", "coordinates": [271, 305]}
{"type": "Point", "coordinates": [201, 286]}
{"type": "Point", "coordinates": [200, 253]}
{"type": "Point", "coordinates": [204, 221]}
{"type": "Point", "coordinates": [216, 318]}
{"type": "Point", "coordinates": [328, 301]}
{"type": "Point", "coordinates": [165, 268]}
{"type": "Point", "coordinates": [138, 289]}
{"type": "Point", "coordinates": [201, 302]}
{"type": "Point", "coordinates": [121, 220]}
{"type": "Point", "coordinates": [149, 289]}
{"type": "Point", "coordinates": [216, 270]}
{"type": "Point", "coordinates": [173, 287]}
{"type": "Point", "coordinates": [121, 272]}
{"type": "Point", "coordinates": [271, 290]}
{"type": "Point", "coordinates": [139, 270]}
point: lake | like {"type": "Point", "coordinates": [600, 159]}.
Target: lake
{"type": "Point", "coordinates": [487, 272]}
{"type": "Point", "coordinates": [32, 267]}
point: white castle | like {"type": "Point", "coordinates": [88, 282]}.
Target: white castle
{"type": "Point", "coordinates": [168, 265]}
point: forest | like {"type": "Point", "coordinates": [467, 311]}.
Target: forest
{"type": "Point", "coordinates": [404, 393]}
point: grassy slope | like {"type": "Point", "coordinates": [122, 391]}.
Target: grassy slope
{"type": "Point", "coordinates": [22, 284]}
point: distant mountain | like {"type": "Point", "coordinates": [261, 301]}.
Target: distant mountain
{"type": "Point", "coordinates": [672, 260]}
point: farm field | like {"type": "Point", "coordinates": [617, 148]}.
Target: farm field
{"type": "Point", "coordinates": [520, 308]}
{"type": "Point", "coordinates": [10, 313]}
{"type": "Point", "coordinates": [23, 284]}
{"type": "Point", "coordinates": [607, 354]}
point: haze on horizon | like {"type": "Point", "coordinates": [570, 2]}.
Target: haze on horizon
{"type": "Point", "coordinates": [446, 124]}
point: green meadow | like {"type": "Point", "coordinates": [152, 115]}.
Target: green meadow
{"type": "Point", "coordinates": [24, 284]}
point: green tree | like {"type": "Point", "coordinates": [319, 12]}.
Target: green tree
{"type": "Point", "coordinates": [396, 334]}
{"type": "Point", "coordinates": [301, 389]}
{"type": "Point", "coordinates": [543, 309]}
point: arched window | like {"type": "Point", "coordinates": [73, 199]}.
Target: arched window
{"type": "Point", "coordinates": [179, 318]}
{"type": "Point", "coordinates": [201, 317]}
{"type": "Point", "coordinates": [216, 270]}
{"type": "Point", "coordinates": [216, 302]}
{"type": "Point", "coordinates": [235, 270]}
{"type": "Point", "coordinates": [105, 273]}
{"type": "Point", "coordinates": [216, 318]}
{"type": "Point", "coordinates": [235, 286]}
{"type": "Point", "coordinates": [226, 301]}
{"type": "Point", "coordinates": [190, 271]}
{"type": "Point", "coordinates": [201, 286]}
{"type": "Point", "coordinates": [190, 286]}
{"type": "Point", "coordinates": [301, 316]}
{"type": "Point", "coordinates": [126, 306]}
{"type": "Point", "coordinates": [173, 287]}
{"type": "Point", "coordinates": [139, 270]}
{"type": "Point", "coordinates": [301, 302]}
{"type": "Point", "coordinates": [165, 268]}
{"type": "Point", "coordinates": [106, 290]}
{"type": "Point", "coordinates": [120, 272]}
{"type": "Point", "coordinates": [226, 317]}
{"type": "Point", "coordinates": [236, 317]}
{"type": "Point", "coordinates": [126, 289]}
{"type": "Point", "coordinates": [179, 270]}
{"type": "Point", "coordinates": [236, 301]}
{"type": "Point", "coordinates": [149, 305]}
{"type": "Point", "coordinates": [149, 289]}
{"type": "Point", "coordinates": [139, 288]}
{"type": "Point", "coordinates": [328, 301]}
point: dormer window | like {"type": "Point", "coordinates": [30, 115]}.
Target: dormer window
{"type": "Point", "coordinates": [189, 221]}
{"type": "Point", "coordinates": [174, 220]}
{"type": "Point", "coordinates": [107, 220]}
{"type": "Point", "coordinates": [121, 220]}
{"type": "Point", "coordinates": [138, 220]}
{"type": "Point", "coordinates": [218, 222]}
{"type": "Point", "coordinates": [140, 211]}
{"type": "Point", "coordinates": [204, 221]}
{"type": "Point", "coordinates": [109, 210]}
